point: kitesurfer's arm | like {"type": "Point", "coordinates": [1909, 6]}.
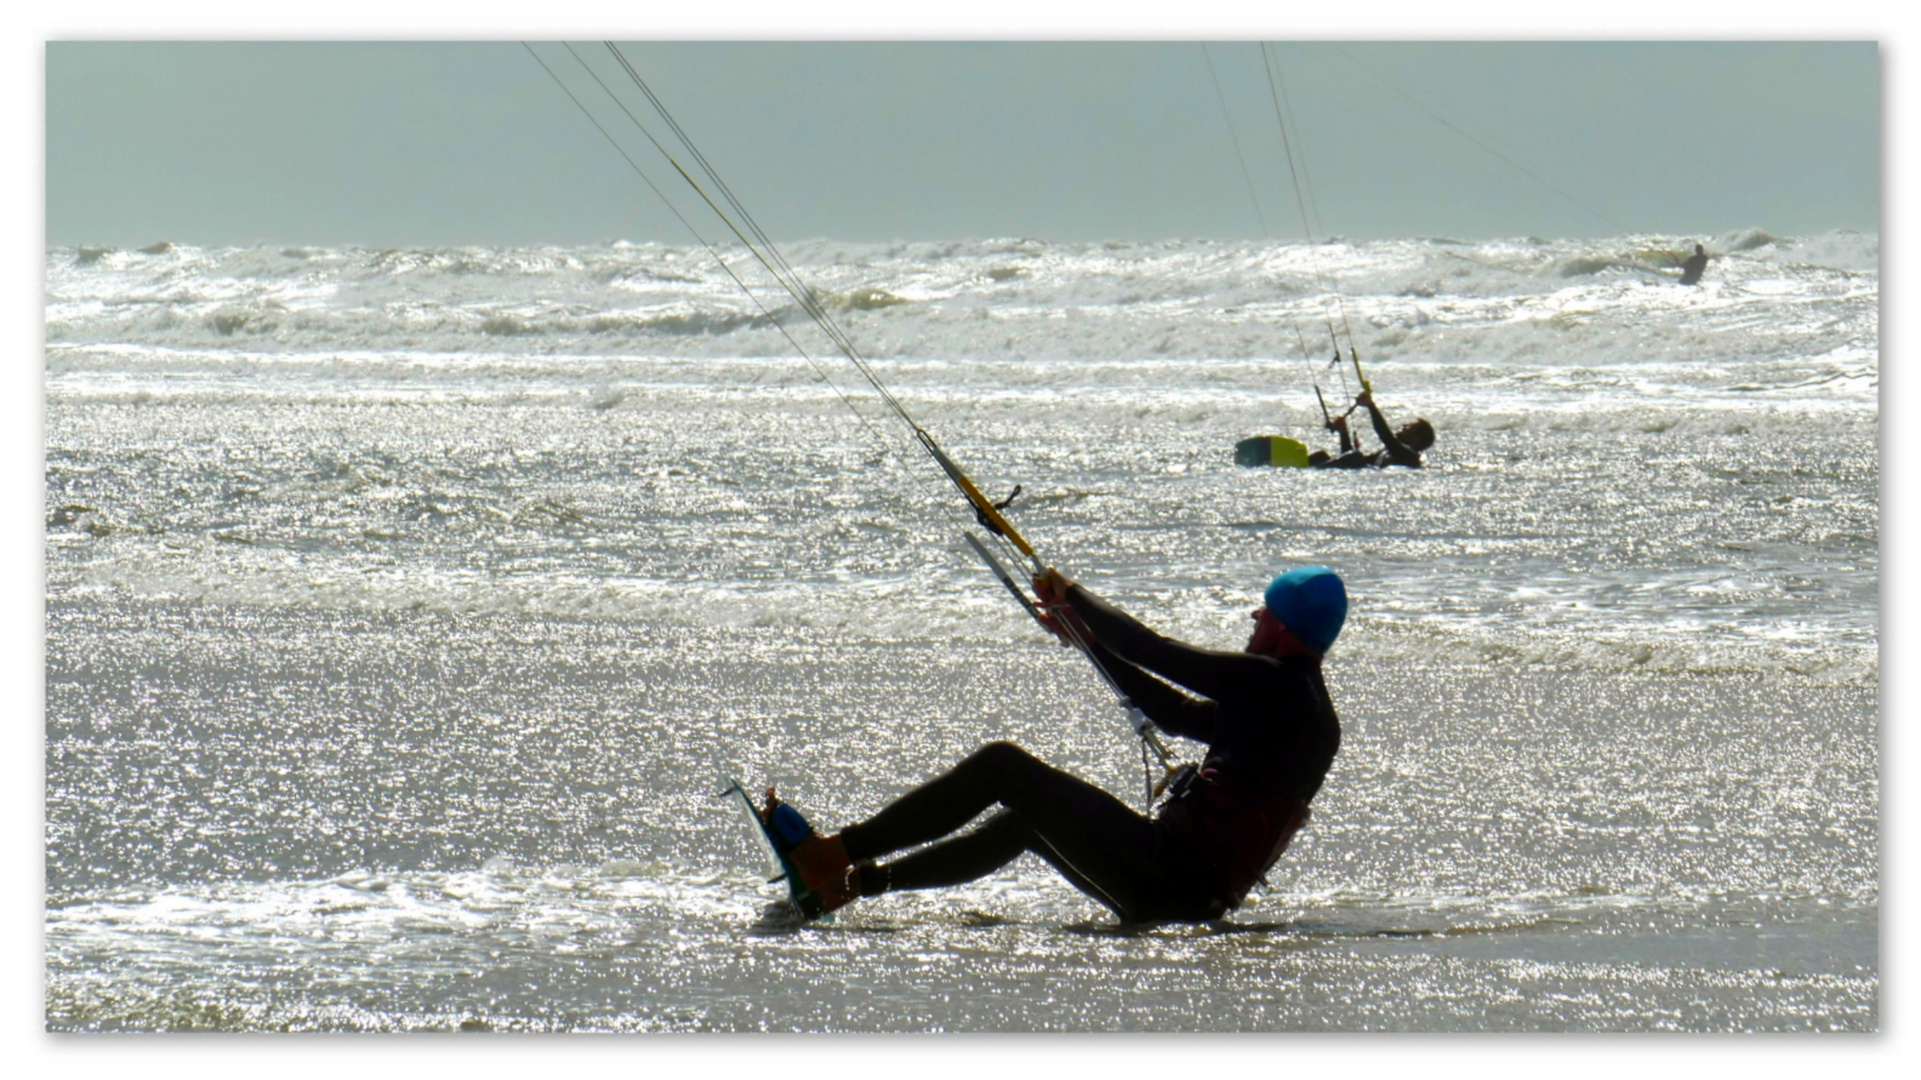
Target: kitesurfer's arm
{"type": "Point", "coordinates": [1171, 710]}
{"type": "Point", "coordinates": [1339, 424]}
{"type": "Point", "coordinates": [1206, 672]}
{"type": "Point", "coordinates": [1397, 451]}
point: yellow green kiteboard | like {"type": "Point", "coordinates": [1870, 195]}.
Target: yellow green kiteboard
{"type": "Point", "coordinates": [1271, 450]}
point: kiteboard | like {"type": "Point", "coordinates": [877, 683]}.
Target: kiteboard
{"type": "Point", "coordinates": [1271, 450]}
{"type": "Point", "coordinates": [788, 821]}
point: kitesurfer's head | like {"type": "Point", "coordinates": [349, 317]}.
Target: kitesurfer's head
{"type": "Point", "coordinates": [1307, 604]}
{"type": "Point", "coordinates": [1418, 435]}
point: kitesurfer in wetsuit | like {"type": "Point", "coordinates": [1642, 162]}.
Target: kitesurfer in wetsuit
{"type": "Point", "coordinates": [1691, 269]}
{"type": "Point", "coordinates": [1402, 446]}
{"type": "Point", "coordinates": [1271, 733]}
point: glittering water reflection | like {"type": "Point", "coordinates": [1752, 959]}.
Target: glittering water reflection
{"type": "Point", "coordinates": [409, 853]}
{"type": "Point", "coordinates": [393, 649]}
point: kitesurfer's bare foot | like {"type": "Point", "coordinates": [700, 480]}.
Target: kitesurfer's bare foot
{"type": "Point", "coordinates": [823, 866]}
{"type": "Point", "coordinates": [843, 889]}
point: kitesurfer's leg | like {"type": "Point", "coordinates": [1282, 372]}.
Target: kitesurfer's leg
{"type": "Point", "coordinates": [999, 772]}
{"type": "Point", "coordinates": [1353, 459]}
{"type": "Point", "coordinates": [1104, 848]}
{"type": "Point", "coordinates": [973, 855]}
{"type": "Point", "coordinates": [1115, 856]}
{"type": "Point", "coordinates": [957, 860]}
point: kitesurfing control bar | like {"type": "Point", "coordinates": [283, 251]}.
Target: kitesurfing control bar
{"type": "Point", "coordinates": [990, 514]}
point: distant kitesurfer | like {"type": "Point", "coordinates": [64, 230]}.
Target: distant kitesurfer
{"type": "Point", "coordinates": [1692, 268]}
{"type": "Point", "coordinates": [1402, 446]}
{"type": "Point", "coordinates": [1271, 733]}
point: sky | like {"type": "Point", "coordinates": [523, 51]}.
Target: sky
{"type": "Point", "coordinates": [443, 143]}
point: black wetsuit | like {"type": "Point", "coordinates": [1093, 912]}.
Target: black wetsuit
{"type": "Point", "coordinates": [1392, 452]}
{"type": "Point", "coordinates": [1695, 265]}
{"type": "Point", "coordinates": [1271, 734]}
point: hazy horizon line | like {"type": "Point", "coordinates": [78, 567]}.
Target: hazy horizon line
{"type": "Point", "coordinates": [158, 246]}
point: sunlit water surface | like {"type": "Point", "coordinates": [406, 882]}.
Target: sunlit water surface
{"type": "Point", "coordinates": [404, 607]}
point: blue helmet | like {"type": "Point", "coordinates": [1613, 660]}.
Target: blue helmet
{"type": "Point", "coordinates": [1312, 602]}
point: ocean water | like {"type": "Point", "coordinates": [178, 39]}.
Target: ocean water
{"type": "Point", "coordinates": [403, 608]}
